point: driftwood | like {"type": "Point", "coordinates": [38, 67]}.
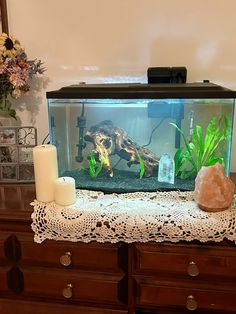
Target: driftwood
{"type": "Point", "coordinates": [109, 139]}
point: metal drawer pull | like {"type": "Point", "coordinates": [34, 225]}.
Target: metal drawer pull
{"type": "Point", "coordinates": [65, 259]}
{"type": "Point", "coordinates": [193, 270]}
{"type": "Point", "coordinates": [67, 292]}
{"type": "Point", "coordinates": [191, 303]}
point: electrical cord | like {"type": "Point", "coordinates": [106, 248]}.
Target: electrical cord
{"type": "Point", "coordinates": [156, 127]}
{"type": "Point", "coordinates": [43, 142]}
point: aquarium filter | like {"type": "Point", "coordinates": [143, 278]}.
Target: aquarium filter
{"type": "Point", "coordinates": [170, 75]}
{"type": "Point", "coordinates": [168, 109]}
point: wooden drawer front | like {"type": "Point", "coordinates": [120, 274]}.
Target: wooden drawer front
{"type": "Point", "coordinates": [3, 280]}
{"type": "Point", "coordinates": [94, 256]}
{"type": "Point", "coordinates": [85, 286]}
{"type": "Point", "coordinates": [10, 249]}
{"type": "Point", "coordinates": [29, 307]}
{"type": "Point", "coordinates": [2, 254]}
{"type": "Point", "coordinates": [182, 298]}
{"type": "Point", "coordinates": [166, 262]}
{"type": "Point", "coordinates": [84, 256]}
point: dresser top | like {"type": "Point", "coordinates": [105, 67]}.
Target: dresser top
{"type": "Point", "coordinates": [15, 201]}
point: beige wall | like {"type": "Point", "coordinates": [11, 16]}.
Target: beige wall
{"type": "Point", "coordinates": [117, 40]}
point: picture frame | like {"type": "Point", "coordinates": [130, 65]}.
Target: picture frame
{"type": "Point", "coordinates": [3, 17]}
{"type": "Point", "coordinates": [16, 153]}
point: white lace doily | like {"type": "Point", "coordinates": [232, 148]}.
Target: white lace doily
{"type": "Point", "coordinates": [132, 217]}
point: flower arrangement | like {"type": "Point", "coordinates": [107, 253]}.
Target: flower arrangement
{"type": "Point", "coordinates": [15, 72]}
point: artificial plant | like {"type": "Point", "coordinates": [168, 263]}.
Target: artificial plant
{"type": "Point", "coordinates": [202, 149]}
{"type": "Point", "coordinates": [141, 166]}
{"type": "Point", "coordinates": [94, 166]}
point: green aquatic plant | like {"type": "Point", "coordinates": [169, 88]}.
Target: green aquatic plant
{"type": "Point", "coordinates": [94, 166]}
{"type": "Point", "coordinates": [203, 149]}
{"type": "Point", "coordinates": [141, 165]}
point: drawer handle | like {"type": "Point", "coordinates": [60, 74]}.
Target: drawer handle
{"type": "Point", "coordinates": [67, 292]}
{"type": "Point", "coordinates": [193, 270]}
{"type": "Point", "coordinates": [191, 303]}
{"type": "Point", "coordinates": [65, 259]}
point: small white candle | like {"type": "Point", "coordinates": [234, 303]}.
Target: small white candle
{"type": "Point", "coordinates": [65, 192]}
{"type": "Point", "coordinates": [45, 171]}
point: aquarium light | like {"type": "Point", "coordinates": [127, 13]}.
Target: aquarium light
{"type": "Point", "coordinates": [113, 103]}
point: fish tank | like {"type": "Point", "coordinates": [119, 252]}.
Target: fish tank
{"type": "Point", "coordinates": [120, 138]}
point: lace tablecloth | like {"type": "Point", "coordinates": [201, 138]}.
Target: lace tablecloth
{"type": "Point", "coordinates": [132, 217]}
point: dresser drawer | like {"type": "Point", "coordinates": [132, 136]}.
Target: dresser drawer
{"type": "Point", "coordinates": [93, 256]}
{"type": "Point", "coordinates": [74, 286]}
{"type": "Point", "coordinates": [2, 253]}
{"type": "Point", "coordinates": [21, 248]}
{"type": "Point", "coordinates": [3, 280]}
{"type": "Point", "coordinates": [9, 306]}
{"type": "Point", "coordinates": [149, 295]}
{"type": "Point", "coordinates": [177, 260]}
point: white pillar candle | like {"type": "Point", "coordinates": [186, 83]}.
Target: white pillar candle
{"type": "Point", "coordinates": [45, 171]}
{"type": "Point", "coordinates": [65, 192]}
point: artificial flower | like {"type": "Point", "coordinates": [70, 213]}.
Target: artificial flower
{"type": "Point", "coordinates": [15, 72]}
{"type": "Point", "coordinates": [9, 45]}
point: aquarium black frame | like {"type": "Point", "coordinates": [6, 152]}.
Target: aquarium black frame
{"type": "Point", "coordinates": [142, 91]}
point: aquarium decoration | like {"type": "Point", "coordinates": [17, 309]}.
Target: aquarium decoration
{"type": "Point", "coordinates": [141, 165]}
{"type": "Point", "coordinates": [109, 139]}
{"type": "Point", "coordinates": [204, 149]}
{"type": "Point", "coordinates": [166, 169]}
{"type": "Point", "coordinates": [94, 167]}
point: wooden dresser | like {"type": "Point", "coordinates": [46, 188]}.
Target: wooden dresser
{"type": "Point", "coordinates": [94, 278]}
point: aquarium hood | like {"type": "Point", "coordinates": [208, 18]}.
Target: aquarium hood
{"type": "Point", "coordinates": [142, 91]}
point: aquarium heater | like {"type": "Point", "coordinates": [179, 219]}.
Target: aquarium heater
{"type": "Point", "coordinates": [81, 125]}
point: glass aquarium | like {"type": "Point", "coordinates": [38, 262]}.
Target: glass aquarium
{"type": "Point", "coordinates": [140, 137]}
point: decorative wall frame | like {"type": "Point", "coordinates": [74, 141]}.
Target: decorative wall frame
{"type": "Point", "coordinates": [16, 153]}
{"type": "Point", "coordinates": [3, 17]}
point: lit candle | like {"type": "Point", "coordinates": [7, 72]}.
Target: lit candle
{"type": "Point", "coordinates": [65, 192]}
{"type": "Point", "coordinates": [45, 171]}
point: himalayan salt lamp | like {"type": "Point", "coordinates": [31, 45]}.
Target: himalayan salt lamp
{"type": "Point", "coordinates": [213, 190]}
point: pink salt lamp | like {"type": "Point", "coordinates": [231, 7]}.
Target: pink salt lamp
{"type": "Point", "coordinates": [214, 191]}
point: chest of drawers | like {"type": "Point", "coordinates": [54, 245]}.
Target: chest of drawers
{"type": "Point", "coordinates": [101, 278]}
